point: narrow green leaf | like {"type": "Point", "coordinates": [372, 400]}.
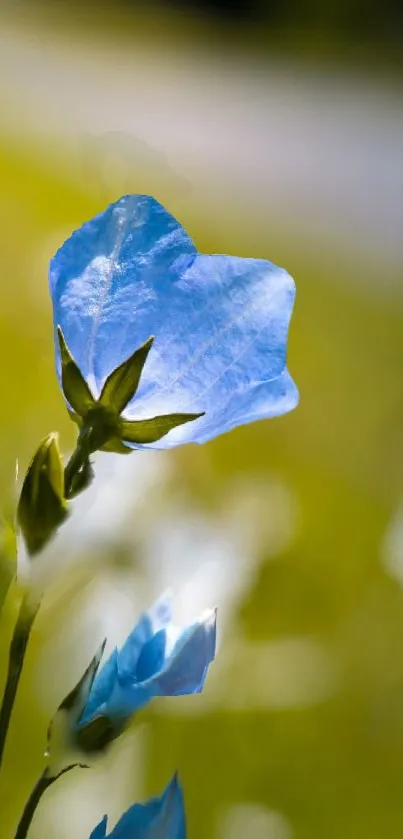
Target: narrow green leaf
{"type": "Point", "coordinates": [75, 387]}
{"type": "Point", "coordinates": [121, 385]}
{"type": "Point", "coordinates": [151, 430]}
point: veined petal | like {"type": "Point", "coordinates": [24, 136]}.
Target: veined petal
{"type": "Point", "coordinates": [220, 322]}
{"type": "Point", "coordinates": [270, 399]}
{"type": "Point", "coordinates": [107, 276]}
{"type": "Point", "coordinates": [227, 352]}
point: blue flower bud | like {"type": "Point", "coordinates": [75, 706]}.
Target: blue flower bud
{"type": "Point", "coordinates": [157, 659]}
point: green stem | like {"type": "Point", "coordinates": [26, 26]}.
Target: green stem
{"type": "Point", "coordinates": [39, 789]}
{"type": "Point", "coordinates": [17, 652]}
{"type": "Point", "coordinates": [75, 465]}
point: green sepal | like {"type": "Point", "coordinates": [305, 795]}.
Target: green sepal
{"type": "Point", "coordinates": [76, 418]}
{"type": "Point", "coordinates": [76, 700]}
{"type": "Point", "coordinates": [101, 426]}
{"type": "Point", "coordinates": [151, 430]}
{"type": "Point", "coordinates": [75, 387]}
{"type": "Point", "coordinates": [42, 507]}
{"type": "Point", "coordinates": [116, 446]}
{"type": "Point", "coordinates": [96, 735]}
{"type": "Point", "coordinates": [62, 731]}
{"type": "Point", "coordinates": [121, 385]}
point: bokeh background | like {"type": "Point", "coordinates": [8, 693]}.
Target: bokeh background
{"type": "Point", "coordinates": [270, 129]}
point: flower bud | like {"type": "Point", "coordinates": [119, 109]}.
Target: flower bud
{"type": "Point", "coordinates": [42, 507]}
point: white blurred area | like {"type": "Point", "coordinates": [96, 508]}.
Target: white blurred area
{"type": "Point", "coordinates": [314, 153]}
{"type": "Point", "coordinates": [75, 806]}
{"type": "Point", "coordinates": [392, 546]}
{"type": "Point", "coordinates": [254, 821]}
{"type": "Point", "coordinates": [206, 559]}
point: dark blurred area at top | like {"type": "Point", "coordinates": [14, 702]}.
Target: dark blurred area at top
{"type": "Point", "coordinates": [358, 18]}
{"type": "Point", "coordinates": [351, 31]}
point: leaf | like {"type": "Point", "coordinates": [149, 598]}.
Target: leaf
{"type": "Point", "coordinates": [121, 385]}
{"type": "Point", "coordinates": [151, 430]}
{"type": "Point", "coordinates": [75, 387]}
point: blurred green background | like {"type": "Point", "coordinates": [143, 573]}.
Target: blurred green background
{"type": "Point", "coordinates": [275, 134]}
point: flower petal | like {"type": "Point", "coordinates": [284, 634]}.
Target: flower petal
{"type": "Point", "coordinates": [160, 818]}
{"type": "Point", "coordinates": [226, 352]}
{"type": "Point", "coordinates": [152, 656]}
{"type": "Point", "coordinates": [102, 688]}
{"type": "Point", "coordinates": [220, 322]}
{"type": "Point", "coordinates": [186, 669]}
{"type": "Point", "coordinates": [128, 698]}
{"type": "Point", "coordinates": [184, 672]}
{"type": "Point", "coordinates": [105, 278]}
{"type": "Point", "coordinates": [158, 617]}
{"type": "Point", "coordinates": [99, 831]}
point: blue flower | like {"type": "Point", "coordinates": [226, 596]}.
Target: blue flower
{"type": "Point", "coordinates": [157, 659]}
{"type": "Point", "coordinates": [160, 818]}
{"type": "Point", "coordinates": [220, 325]}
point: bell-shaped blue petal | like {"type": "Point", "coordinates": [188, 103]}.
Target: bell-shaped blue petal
{"type": "Point", "coordinates": [220, 322]}
{"type": "Point", "coordinates": [157, 618]}
{"type": "Point", "coordinates": [99, 831]}
{"type": "Point", "coordinates": [152, 657]}
{"type": "Point", "coordinates": [156, 660]}
{"type": "Point", "coordinates": [103, 686]}
{"type": "Point", "coordinates": [159, 818]}
{"type": "Point", "coordinates": [186, 668]}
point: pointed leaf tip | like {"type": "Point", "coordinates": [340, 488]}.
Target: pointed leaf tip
{"type": "Point", "coordinates": [77, 698]}
{"type": "Point", "coordinates": [151, 430]}
{"type": "Point", "coordinates": [75, 387]}
{"type": "Point", "coordinates": [122, 384]}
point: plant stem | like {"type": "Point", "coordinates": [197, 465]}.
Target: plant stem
{"type": "Point", "coordinates": [46, 780]}
{"type": "Point", "coordinates": [17, 652]}
{"type": "Point", "coordinates": [76, 463]}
